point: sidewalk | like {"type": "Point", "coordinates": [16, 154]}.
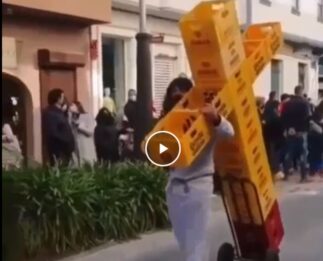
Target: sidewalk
{"type": "Point", "coordinates": [156, 246]}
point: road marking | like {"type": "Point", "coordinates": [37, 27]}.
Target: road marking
{"type": "Point", "coordinates": [305, 192]}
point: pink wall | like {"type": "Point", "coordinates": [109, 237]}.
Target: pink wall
{"type": "Point", "coordinates": [30, 37]}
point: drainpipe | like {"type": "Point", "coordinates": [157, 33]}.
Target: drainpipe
{"type": "Point", "coordinates": [91, 70]}
{"type": "Point", "coordinates": [248, 12]}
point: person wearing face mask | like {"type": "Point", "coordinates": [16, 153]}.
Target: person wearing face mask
{"type": "Point", "coordinates": [131, 108]}
{"type": "Point", "coordinates": [58, 136]}
{"type": "Point", "coordinates": [83, 126]}
{"type": "Point", "coordinates": [189, 190]}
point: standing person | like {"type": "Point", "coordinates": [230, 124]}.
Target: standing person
{"type": "Point", "coordinates": [106, 137]}
{"type": "Point", "coordinates": [273, 132]}
{"type": "Point", "coordinates": [130, 108]}
{"type": "Point", "coordinates": [315, 143]}
{"type": "Point", "coordinates": [260, 103]}
{"type": "Point", "coordinates": [83, 129]}
{"type": "Point", "coordinates": [8, 137]}
{"type": "Point", "coordinates": [58, 134]}
{"type": "Point", "coordinates": [284, 98]}
{"type": "Point", "coordinates": [295, 117]}
{"type": "Point", "coordinates": [189, 190]}
{"type": "Point", "coordinates": [11, 151]}
{"type": "Point", "coordinates": [108, 101]}
{"type": "Point", "coordinates": [271, 100]}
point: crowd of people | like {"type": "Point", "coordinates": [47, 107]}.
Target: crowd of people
{"type": "Point", "coordinates": [292, 131]}
{"type": "Point", "coordinates": [73, 137]}
{"type": "Point", "coordinates": [293, 134]}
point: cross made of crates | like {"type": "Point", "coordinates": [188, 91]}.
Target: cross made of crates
{"type": "Point", "coordinates": [224, 64]}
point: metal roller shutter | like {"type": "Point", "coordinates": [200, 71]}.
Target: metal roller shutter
{"type": "Point", "coordinates": [163, 73]}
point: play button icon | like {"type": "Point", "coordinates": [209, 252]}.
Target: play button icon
{"type": "Point", "coordinates": [163, 148]}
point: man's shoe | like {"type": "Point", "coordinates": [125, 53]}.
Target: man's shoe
{"type": "Point", "coordinates": [280, 176]}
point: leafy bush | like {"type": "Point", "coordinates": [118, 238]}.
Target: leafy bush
{"type": "Point", "coordinates": [62, 209]}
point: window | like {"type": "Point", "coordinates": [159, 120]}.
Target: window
{"type": "Point", "coordinates": [302, 75]}
{"type": "Point", "coordinates": [320, 11]}
{"type": "Point", "coordinates": [321, 71]}
{"type": "Point", "coordinates": [296, 7]}
{"type": "Point", "coordinates": [276, 76]}
{"type": "Point", "coordinates": [266, 2]}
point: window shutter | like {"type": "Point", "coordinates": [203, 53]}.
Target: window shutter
{"type": "Point", "coordinates": [163, 74]}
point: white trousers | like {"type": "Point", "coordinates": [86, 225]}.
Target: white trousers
{"type": "Point", "coordinates": [189, 213]}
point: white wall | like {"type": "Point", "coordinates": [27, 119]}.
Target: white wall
{"type": "Point", "coordinates": [262, 85]}
{"type": "Point", "coordinates": [305, 25]}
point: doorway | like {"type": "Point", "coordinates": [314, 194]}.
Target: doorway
{"type": "Point", "coordinates": [17, 100]}
{"type": "Point", "coordinates": [64, 79]}
{"type": "Point", "coordinates": [52, 78]}
{"type": "Point", "coordinates": [113, 55]}
{"type": "Point", "coordinates": [277, 76]}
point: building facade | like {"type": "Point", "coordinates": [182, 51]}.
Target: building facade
{"type": "Point", "coordinates": [297, 63]}
{"type": "Point", "coordinates": [46, 45]}
{"type": "Point", "coordinates": [168, 53]}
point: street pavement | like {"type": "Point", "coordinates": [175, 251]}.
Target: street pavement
{"type": "Point", "coordinates": [302, 213]}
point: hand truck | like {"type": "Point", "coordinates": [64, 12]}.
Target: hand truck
{"type": "Point", "coordinates": [242, 251]}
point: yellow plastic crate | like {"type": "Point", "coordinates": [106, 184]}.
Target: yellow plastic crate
{"type": "Point", "coordinates": [222, 14]}
{"type": "Point", "coordinates": [258, 55]}
{"type": "Point", "coordinates": [245, 157]}
{"type": "Point", "coordinates": [199, 96]}
{"type": "Point", "coordinates": [212, 38]}
{"type": "Point", "coordinates": [272, 32]}
{"type": "Point", "coordinates": [192, 130]}
{"type": "Point", "coordinates": [238, 207]}
{"type": "Point", "coordinates": [264, 187]}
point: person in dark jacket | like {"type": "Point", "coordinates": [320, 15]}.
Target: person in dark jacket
{"type": "Point", "coordinates": [273, 132]}
{"type": "Point", "coordinates": [106, 137]}
{"type": "Point", "coordinates": [58, 135]}
{"type": "Point", "coordinates": [130, 108]}
{"type": "Point", "coordinates": [315, 143]}
{"type": "Point", "coordinates": [296, 119]}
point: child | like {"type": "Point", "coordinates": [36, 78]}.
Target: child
{"type": "Point", "coordinates": [190, 189]}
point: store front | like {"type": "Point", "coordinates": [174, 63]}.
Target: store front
{"type": "Point", "coordinates": [42, 52]}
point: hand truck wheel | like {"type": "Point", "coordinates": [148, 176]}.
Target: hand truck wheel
{"type": "Point", "coordinates": [226, 252]}
{"type": "Point", "coordinates": [272, 255]}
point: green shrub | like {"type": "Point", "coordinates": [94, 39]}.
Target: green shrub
{"type": "Point", "coordinates": [64, 209]}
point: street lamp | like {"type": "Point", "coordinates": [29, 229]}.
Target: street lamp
{"type": "Point", "coordinates": [144, 80]}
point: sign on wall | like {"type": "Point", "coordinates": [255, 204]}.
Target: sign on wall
{"type": "Point", "coordinates": [9, 53]}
